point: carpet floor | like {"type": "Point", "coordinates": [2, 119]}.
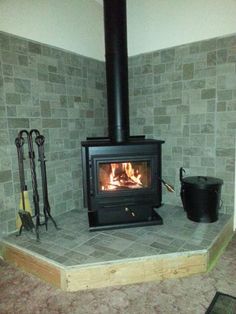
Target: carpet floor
{"type": "Point", "coordinates": [23, 293]}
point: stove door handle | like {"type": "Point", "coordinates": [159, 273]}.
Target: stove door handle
{"type": "Point", "coordinates": [128, 210]}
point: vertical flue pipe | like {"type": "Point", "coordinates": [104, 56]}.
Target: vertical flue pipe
{"type": "Point", "coordinates": [116, 69]}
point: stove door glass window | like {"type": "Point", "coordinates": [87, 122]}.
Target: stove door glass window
{"type": "Point", "coordinates": [124, 175]}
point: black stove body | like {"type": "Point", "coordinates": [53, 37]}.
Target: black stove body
{"type": "Point", "coordinates": [121, 173]}
{"type": "Point", "coordinates": [121, 182]}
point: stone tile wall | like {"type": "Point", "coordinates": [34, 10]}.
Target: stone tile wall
{"type": "Point", "coordinates": [186, 95]}
{"type": "Point", "coordinates": [62, 95]}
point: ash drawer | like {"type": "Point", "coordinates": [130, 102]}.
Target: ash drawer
{"type": "Point", "coordinates": [124, 214]}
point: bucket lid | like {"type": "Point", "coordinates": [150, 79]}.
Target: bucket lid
{"type": "Point", "coordinates": [202, 182]}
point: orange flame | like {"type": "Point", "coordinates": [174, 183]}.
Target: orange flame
{"type": "Point", "coordinates": [123, 175]}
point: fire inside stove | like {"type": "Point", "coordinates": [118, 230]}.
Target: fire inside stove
{"type": "Point", "coordinates": [124, 175]}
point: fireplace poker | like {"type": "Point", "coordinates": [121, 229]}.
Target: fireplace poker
{"type": "Point", "coordinates": [39, 140]}
{"type": "Point", "coordinates": [34, 179]}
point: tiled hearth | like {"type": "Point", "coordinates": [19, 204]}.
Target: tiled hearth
{"type": "Point", "coordinates": [73, 258]}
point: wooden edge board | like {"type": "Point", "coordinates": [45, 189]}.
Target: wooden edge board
{"type": "Point", "coordinates": [33, 265]}
{"type": "Point", "coordinates": [124, 273]}
{"type": "Point", "coordinates": [219, 245]}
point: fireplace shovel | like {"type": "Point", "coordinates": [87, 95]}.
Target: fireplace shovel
{"type": "Point", "coordinates": [168, 186]}
{"type": "Point", "coordinates": [39, 140]}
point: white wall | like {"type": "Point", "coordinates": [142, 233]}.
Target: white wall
{"type": "Point", "coordinates": [157, 24]}
{"type": "Point", "coordinates": [75, 25]}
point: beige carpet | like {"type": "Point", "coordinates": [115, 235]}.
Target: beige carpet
{"type": "Point", "coordinates": [22, 293]}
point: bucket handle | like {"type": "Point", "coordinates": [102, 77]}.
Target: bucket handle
{"type": "Point", "coordinates": [181, 172]}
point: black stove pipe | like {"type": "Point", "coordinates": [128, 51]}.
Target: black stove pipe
{"type": "Point", "coordinates": [116, 69]}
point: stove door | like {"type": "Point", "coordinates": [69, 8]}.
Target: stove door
{"type": "Point", "coordinates": [120, 181]}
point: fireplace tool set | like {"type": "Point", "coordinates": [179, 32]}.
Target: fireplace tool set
{"type": "Point", "coordinates": [27, 222]}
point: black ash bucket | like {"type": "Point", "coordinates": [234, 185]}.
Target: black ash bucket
{"type": "Point", "coordinates": [201, 197]}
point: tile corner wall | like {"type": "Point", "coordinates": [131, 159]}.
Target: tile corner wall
{"type": "Point", "coordinates": [62, 95]}
{"type": "Point", "coordinates": [186, 95]}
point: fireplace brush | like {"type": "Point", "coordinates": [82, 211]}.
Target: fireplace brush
{"type": "Point", "coordinates": [24, 217]}
{"type": "Point", "coordinates": [27, 222]}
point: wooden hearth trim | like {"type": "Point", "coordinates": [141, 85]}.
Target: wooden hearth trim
{"type": "Point", "coordinates": [32, 264]}
{"type": "Point", "coordinates": [136, 271]}
{"type": "Point", "coordinates": [219, 245]}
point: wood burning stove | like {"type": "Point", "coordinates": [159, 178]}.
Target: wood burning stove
{"type": "Point", "coordinates": [122, 182]}
{"type": "Point", "coordinates": [121, 173]}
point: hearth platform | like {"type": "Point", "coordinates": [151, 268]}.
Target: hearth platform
{"type": "Point", "coordinates": [73, 258]}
